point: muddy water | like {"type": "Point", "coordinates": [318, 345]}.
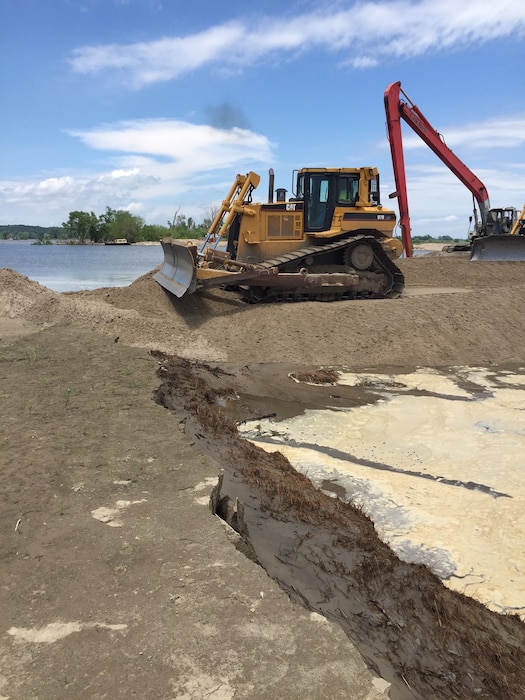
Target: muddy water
{"type": "Point", "coordinates": [435, 458]}
{"type": "Point", "coordinates": [423, 639]}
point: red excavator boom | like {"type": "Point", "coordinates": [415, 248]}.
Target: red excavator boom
{"type": "Point", "coordinates": [399, 106]}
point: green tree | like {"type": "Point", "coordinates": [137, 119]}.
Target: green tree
{"type": "Point", "coordinates": [185, 227]}
{"type": "Point", "coordinates": [119, 223]}
{"type": "Point", "coordinates": [82, 225]}
{"type": "Point", "coordinates": [104, 222]}
{"type": "Point", "coordinates": [154, 232]}
{"type": "Point", "coordinates": [123, 224]}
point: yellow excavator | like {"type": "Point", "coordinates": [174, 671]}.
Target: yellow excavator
{"type": "Point", "coordinates": [332, 240]}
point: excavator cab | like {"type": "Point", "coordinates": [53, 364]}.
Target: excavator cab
{"type": "Point", "coordinates": [500, 221]}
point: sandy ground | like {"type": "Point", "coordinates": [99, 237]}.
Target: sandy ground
{"type": "Point", "coordinates": [107, 534]}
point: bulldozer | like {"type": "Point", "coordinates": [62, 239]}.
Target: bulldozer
{"type": "Point", "coordinates": [502, 238]}
{"type": "Point", "coordinates": [332, 240]}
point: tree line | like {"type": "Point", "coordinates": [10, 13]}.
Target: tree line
{"type": "Point", "coordinates": [87, 227]}
{"type": "Point", "coordinates": [23, 232]}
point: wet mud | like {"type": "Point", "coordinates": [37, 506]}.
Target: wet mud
{"type": "Point", "coordinates": [425, 639]}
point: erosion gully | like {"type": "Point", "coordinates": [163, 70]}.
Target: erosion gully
{"type": "Point", "coordinates": [425, 639]}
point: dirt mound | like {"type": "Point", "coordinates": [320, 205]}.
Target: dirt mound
{"type": "Point", "coordinates": [454, 312]}
{"type": "Point", "coordinates": [143, 295]}
{"type": "Point", "coordinates": [477, 324]}
{"type": "Point", "coordinates": [457, 270]}
{"type": "Point", "coordinates": [22, 297]}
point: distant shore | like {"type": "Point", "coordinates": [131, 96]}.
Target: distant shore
{"type": "Point", "coordinates": [429, 246]}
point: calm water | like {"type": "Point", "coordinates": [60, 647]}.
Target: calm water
{"type": "Point", "coordinates": [69, 268]}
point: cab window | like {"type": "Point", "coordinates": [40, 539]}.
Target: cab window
{"type": "Point", "coordinates": [318, 194]}
{"type": "Point", "coordinates": [348, 189]}
{"type": "Point", "coordinates": [374, 190]}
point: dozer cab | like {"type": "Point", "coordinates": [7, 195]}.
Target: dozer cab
{"type": "Point", "coordinates": [332, 240]}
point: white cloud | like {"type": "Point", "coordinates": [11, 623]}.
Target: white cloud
{"type": "Point", "coordinates": [364, 62]}
{"type": "Point", "coordinates": [192, 147]}
{"type": "Point", "coordinates": [153, 167]}
{"type": "Point", "coordinates": [498, 132]}
{"type": "Point", "coordinates": [160, 60]}
{"type": "Point", "coordinates": [364, 34]}
{"type": "Point", "coordinates": [47, 201]}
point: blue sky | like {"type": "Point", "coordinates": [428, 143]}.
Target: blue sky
{"type": "Point", "coordinates": [154, 105]}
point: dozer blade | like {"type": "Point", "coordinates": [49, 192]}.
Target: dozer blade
{"type": "Point", "coordinates": [494, 248]}
{"type": "Point", "coordinates": [177, 274]}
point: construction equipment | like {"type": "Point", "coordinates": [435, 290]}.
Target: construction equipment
{"type": "Point", "coordinates": [332, 240]}
{"type": "Point", "coordinates": [497, 234]}
{"type": "Point", "coordinates": [505, 238]}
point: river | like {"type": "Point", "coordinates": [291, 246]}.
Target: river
{"type": "Point", "coordinates": [71, 268]}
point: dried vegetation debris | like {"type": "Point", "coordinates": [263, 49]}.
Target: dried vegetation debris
{"type": "Point", "coordinates": [316, 376]}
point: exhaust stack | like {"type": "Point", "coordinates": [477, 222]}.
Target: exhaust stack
{"type": "Point", "coordinates": [271, 178]}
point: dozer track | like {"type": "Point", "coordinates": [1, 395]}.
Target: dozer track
{"type": "Point", "coordinates": [378, 277]}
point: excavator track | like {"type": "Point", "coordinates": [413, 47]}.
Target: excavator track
{"type": "Point", "coordinates": [379, 277]}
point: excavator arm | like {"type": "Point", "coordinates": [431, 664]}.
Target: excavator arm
{"type": "Point", "coordinates": [393, 123]}
{"type": "Point", "coordinates": [399, 106]}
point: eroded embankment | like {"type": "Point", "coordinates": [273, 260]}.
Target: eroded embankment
{"type": "Point", "coordinates": [427, 640]}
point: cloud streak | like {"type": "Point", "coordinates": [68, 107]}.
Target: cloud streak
{"type": "Point", "coordinates": [180, 145]}
{"type": "Point", "coordinates": [362, 35]}
{"type": "Point", "coordinates": [498, 132]}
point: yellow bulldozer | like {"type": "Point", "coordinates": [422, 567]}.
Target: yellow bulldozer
{"type": "Point", "coordinates": [332, 240]}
